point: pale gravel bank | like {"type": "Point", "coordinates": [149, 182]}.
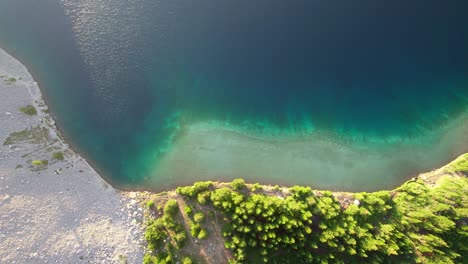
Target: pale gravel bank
{"type": "Point", "coordinates": [63, 212]}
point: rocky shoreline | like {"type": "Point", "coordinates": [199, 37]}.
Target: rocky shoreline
{"type": "Point", "coordinates": [55, 209]}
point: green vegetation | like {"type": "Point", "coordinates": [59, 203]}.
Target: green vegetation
{"type": "Point", "coordinates": [150, 204]}
{"type": "Point", "coordinates": [29, 110]}
{"type": "Point", "coordinates": [58, 155]}
{"type": "Point", "coordinates": [199, 218]}
{"type": "Point", "coordinates": [34, 135]}
{"type": "Point", "coordinates": [8, 80]}
{"type": "Point", "coordinates": [39, 162]}
{"type": "Point", "coordinates": [187, 260]}
{"type": "Point", "coordinates": [165, 235]}
{"type": "Point", "coordinates": [415, 223]}
{"type": "Point", "coordinates": [460, 165]}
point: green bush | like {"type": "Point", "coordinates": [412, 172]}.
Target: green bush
{"type": "Point", "coordinates": [29, 110]}
{"type": "Point", "coordinates": [194, 229]}
{"type": "Point", "coordinates": [193, 191]}
{"type": "Point", "coordinates": [180, 239]}
{"type": "Point", "coordinates": [256, 187]}
{"type": "Point", "coordinates": [199, 218]}
{"type": "Point", "coordinates": [238, 184]}
{"type": "Point", "coordinates": [203, 234]}
{"type": "Point", "coordinates": [203, 198]}
{"type": "Point", "coordinates": [150, 204]}
{"type": "Point", "coordinates": [171, 208]}
{"type": "Point", "coordinates": [188, 210]}
{"type": "Point", "coordinates": [40, 162]}
{"type": "Point", "coordinates": [58, 156]}
{"type": "Point", "coordinates": [187, 260]}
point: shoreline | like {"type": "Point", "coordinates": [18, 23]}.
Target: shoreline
{"type": "Point", "coordinates": [63, 210]}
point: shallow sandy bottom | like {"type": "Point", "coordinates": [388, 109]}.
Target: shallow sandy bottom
{"type": "Point", "coordinates": [63, 212]}
{"type": "Point", "coordinates": [211, 152]}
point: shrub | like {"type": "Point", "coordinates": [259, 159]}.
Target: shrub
{"type": "Point", "coordinates": [188, 210]}
{"type": "Point", "coordinates": [58, 156]}
{"type": "Point", "coordinates": [202, 234]}
{"type": "Point", "coordinates": [203, 197]}
{"type": "Point", "coordinates": [150, 204]}
{"type": "Point", "coordinates": [29, 110]}
{"type": "Point", "coordinates": [180, 239]}
{"type": "Point", "coordinates": [36, 162]}
{"type": "Point", "coordinates": [39, 162]}
{"type": "Point", "coordinates": [256, 186]}
{"type": "Point", "coordinates": [194, 229]}
{"type": "Point", "coordinates": [193, 191]}
{"type": "Point", "coordinates": [238, 184]}
{"type": "Point", "coordinates": [198, 217]}
{"type": "Point", "coordinates": [187, 260]}
{"type": "Point", "coordinates": [171, 208]}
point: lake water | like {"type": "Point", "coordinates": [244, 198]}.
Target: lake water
{"type": "Point", "coordinates": [332, 94]}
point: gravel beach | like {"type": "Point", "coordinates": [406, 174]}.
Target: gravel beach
{"type": "Point", "coordinates": [59, 210]}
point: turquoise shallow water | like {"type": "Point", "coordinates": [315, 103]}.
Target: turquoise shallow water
{"type": "Point", "coordinates": [128, 81]}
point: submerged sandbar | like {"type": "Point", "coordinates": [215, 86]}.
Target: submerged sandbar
{"type": "Point", "coordinates": [204, 151]}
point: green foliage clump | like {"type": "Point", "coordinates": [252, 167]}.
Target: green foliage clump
{"type": "Point", "coordinates": [34, 135]}
{"type": "Point", "coordinates": [188, 210]}
{"type": "Point", "coordinates": [58, 155]}
{"type": "Point", "coordinates": [171, 208]}
{"type": "Point", "coordinates": [203, 197]}
{"type": "Point", "coordinates": [150, 204]}
{"type": "Point", "coordinates": [238, 184]}
{"type": "Point", "coordinates": [256, 187]}
{"type": "Point", "coordinates": [40, 162]}
{"type": "Point", "coordinates": [193, 191]}
{"type": "Point", "coordinates": [164, 235]}
{"type": "Point", "coordinates": [199, 218]}
{"type": "Point", "coordinates": [194, 229]}
{"type": "Point", "coordinates": [187, 260]}
{"type": "Point", "coordinates": [29, 110]}
{"type": "Point", "coordinates": [459, 166]}
{"type": "Point", "coordinates": [203, 234]}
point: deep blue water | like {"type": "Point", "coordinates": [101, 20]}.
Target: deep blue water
{"type": "Point", "coordinates": [122, 77]}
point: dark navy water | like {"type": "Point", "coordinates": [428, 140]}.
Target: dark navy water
{"type": "Point", "coordinates": [124, 78]}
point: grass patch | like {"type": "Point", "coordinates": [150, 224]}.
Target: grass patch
{"type": "Point", "coordinates": [58, 156]}
{"type": "Point", "coordinates": [8, 80]}
{"type": "Point", "coordinates": [29, 110]}
{"type": "Point", "coordinates": [35, 135]}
